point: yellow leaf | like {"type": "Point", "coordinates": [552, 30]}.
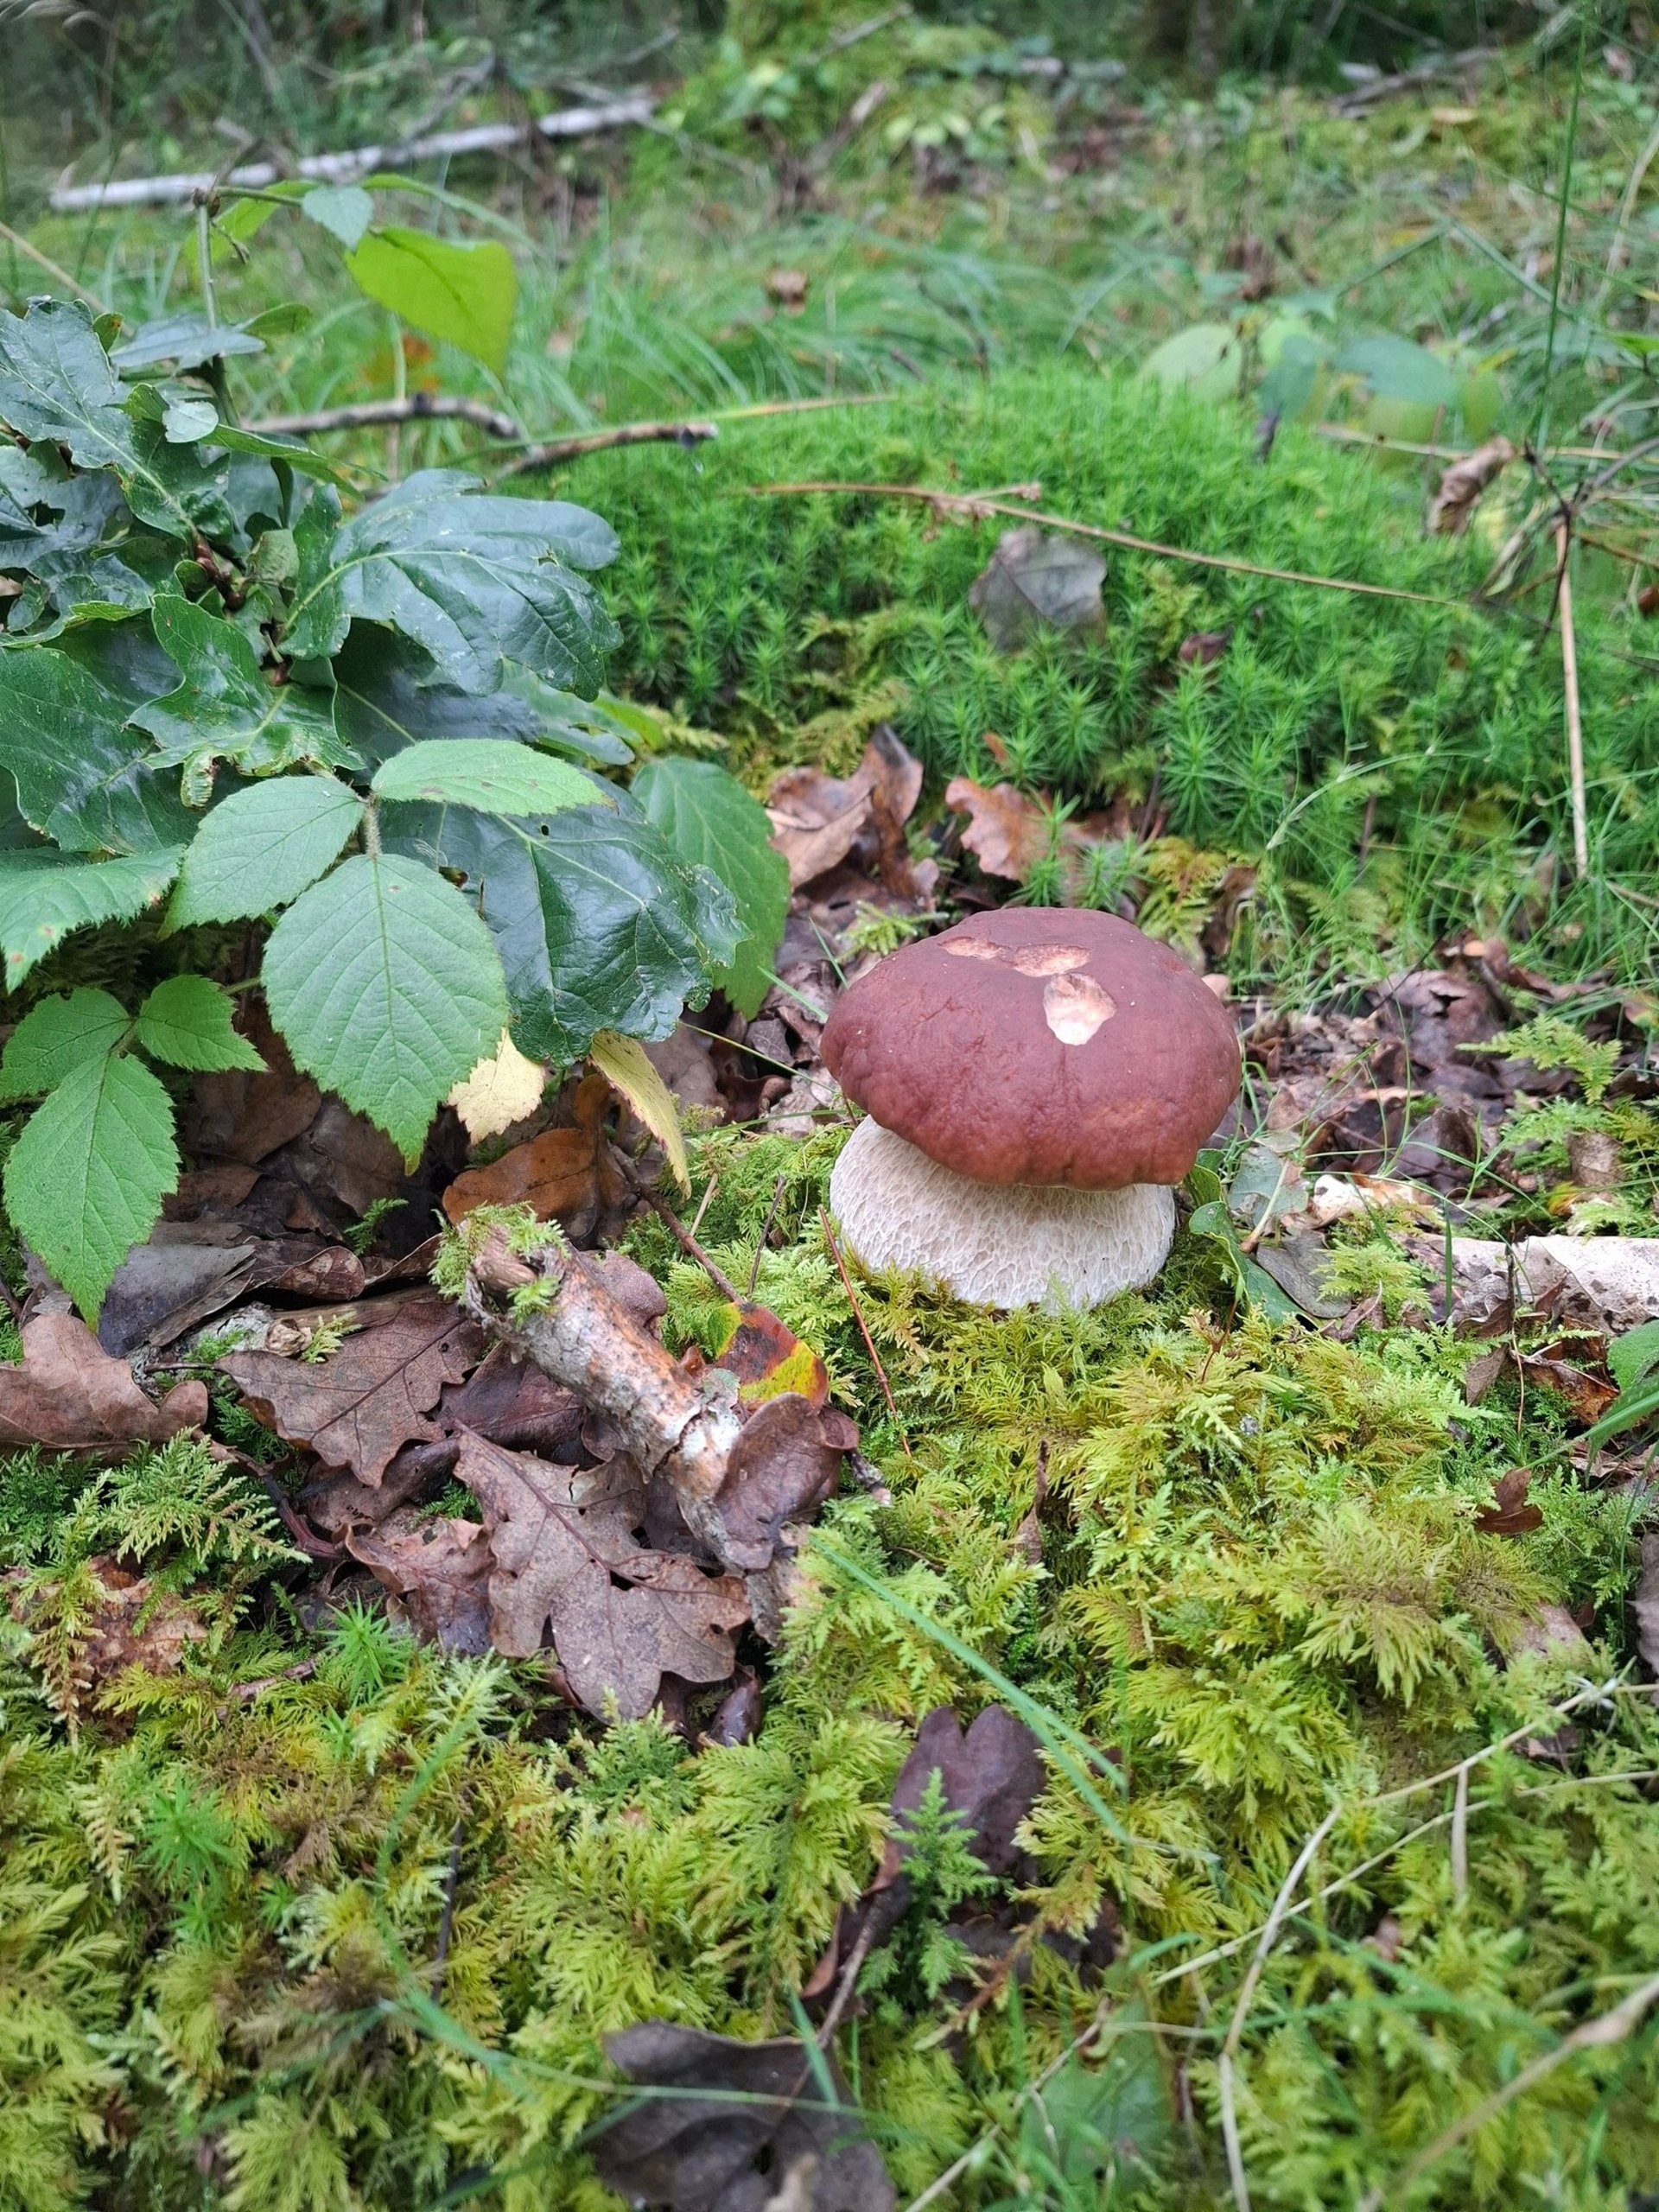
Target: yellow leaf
{"type": "Point", "coordinates": [622, 1062]}
{"type": "Point", "coordinates": [500, 1092]}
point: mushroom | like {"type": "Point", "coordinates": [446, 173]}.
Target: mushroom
{"type": "Point", "coordinates": [1037, 1079]}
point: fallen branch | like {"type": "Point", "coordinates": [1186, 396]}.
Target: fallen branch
{"type": "Point", "coordinates": [971, 507]}
{"type": "Point", "coordinates": [360, 161]}
{"type": "Point", "coordinates": [557, 451]}
{"type": "Point", "coordinates": [369, 414]}
{"type": "Point", "coordinates": [1378, 89]}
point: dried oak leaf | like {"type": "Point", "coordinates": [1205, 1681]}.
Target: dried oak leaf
{"type": "Point", "coordinates": [358, 1408]}
{"type": "Point", "coordinates": [818, 819]}
{"type": "Point", "coordinates": [1035, 580]}
{"type": "Point", "coordinates": [440, 1569]}
{"type": "Point", "coordinates": [1510, 1514]}
{"type": "Point", "coordinates": [129, 1624]}
{"type": "Point", "coordinates": [1461, 485]}
{"type": "Point", "coordinates": [567, 1557]}
{"type": "Point", "coordinates": [786, 1461]}
{"type": "Point", "coordinates": [573, 1176]}
{"type": "Point", "coordinates": [697, 2152]}
{"type": "Point", "coordinates": [70, 1396]}
{"type": "Point", "coordinates": [1586, 1397]}
{"type": "Point", "coordinates": [1007, 833]}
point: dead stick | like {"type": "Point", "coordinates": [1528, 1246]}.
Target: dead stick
{"type": "Point", "coordinates": [316, 1547]}
{"type": "Point", "coordinates": [689, 1244]}
{"type": "Point", "coordinates": [447, 1922]}
{"type": "Point", "coordinates": [559, 450]}
{"type": "Point", "coordinates": [846, 1983]}
{"type": "Point", "coordinates": [772, 1214]}
{"type": "Point", "coordinates": [972, 506]}
{"type": "Point", "coordinates": [863, 1331]}
{"type": "Point", "coordinates": [418, 407]}
{"type": "Point", "coordinates": [1570, 685]}
{"type": "Point", "coordinates": [42, 261]}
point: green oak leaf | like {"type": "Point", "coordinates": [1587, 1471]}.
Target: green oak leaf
{"type": "Point", "coordinates": [599, 926]}
{"type": "Point", "coordinates": [476, 579]}
{"type": "Point", "coordinates": [56, 383]}
{"type": "Point", "coordinates": [85, 1181]}
{"type": "Point", "coordinates": [186, 1022]}
{"type": "Point", "coordinates": [82, 776]}
{"type": "Point", "coordinates": [387, 988]}
{"type": "Point", "coordinates": [55, 1037]}
{"type": "Point", "coordinates": [258, 849]}
{"type": "Point", "coordinates": [224, 708]}
{"type": "Point", "coordinates": [384, 701]}
{"type": "Point", "coordinates": [45, 894]}
{"type": "Point", "coordinates": [494, 775]}
{"type": "Point", "coordinates": [465, 294]}
{"type": "Point", "coordinates": [712, 822]}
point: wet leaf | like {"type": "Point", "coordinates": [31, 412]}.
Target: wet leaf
{"type": "Point", "coordinates": [573, 1176]}
{"type": "Point", "coordinates": [1036, 581]}
{"type": "Point", "coordinates": [358, 1408]}
{"type": "Point", "coordinates": [768, 1358]}
{"type": "Point", "coordinates": [439, 1567]}
{"type": "Point", "coordinates": [697, 2152]}
{"type": "Point", "coordinates": [568, 1561]}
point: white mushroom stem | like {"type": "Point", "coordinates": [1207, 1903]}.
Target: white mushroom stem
{"type": "Point", "coordinates": [995, 1244]}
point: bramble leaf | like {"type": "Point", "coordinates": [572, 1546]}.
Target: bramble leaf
{"type": "Point", "coordinates": [387, 988]}
{"type": "Point", "coordinates": [465, 294]}
{"type": "Point", "coordinates": [186, 1022]}
{"type": "Point", "coordinates": [712, 822]}
{"type": "Point", "coordinates": [85, 1181]}
{"type": "Point", "coordinates": [44, 895]}
{"type": "Point", "coordinates": [82, 776]}
{"type": "Point", "coordinates": [224, 708]}
{"type": "Point", "coordinates": [599, 926]}
{"type": "Point", "coordinates": [477, 579]}
{"type": "Point", "coordinates": [259, 849]}
{"type": "Point", "coordinates": [491, 775]}
{"type": "Point", "coordinates": [55, 1037]}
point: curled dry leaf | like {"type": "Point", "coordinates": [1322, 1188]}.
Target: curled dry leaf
{"type": "Point", "coordinates": [818, 819]}
{"type": "Point", "coordinates": [360, 1406]}
{"type": "Point", "coordinates": [786, 1462]}
{"type": "Point", "coordinates": [768, 1357]}
{"type": "Point", "coordinates": [1510, 1514]}
{"type": "Point", "coordinates": [573, 1176]}
{"type": "Point", "coordinates": [70, 1396]}
{"type": "Point", "coordinates": [751, 2117]}
{"type": "Point", "coordinates": [1462, 484]}
{"type": "Point", "coordinates": [500, 1092]}
{"type": "Point", "coordinates": [568, 1559]}
{"type": "Point", "coordinates": [1007, 833]}
{"type": "Point", "coordinates": [1035, 580]}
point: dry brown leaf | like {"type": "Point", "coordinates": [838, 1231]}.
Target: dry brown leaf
{"type": "Point", "coordinates": [1008, 833]}
{"type": "Point", "coordinates": [358, 1408]}
{"type": "Point", "coordinates": [789, 288]}
{"type": "Point", "coordinates": [818, 819]}
{"type": "Point", "coordinates": [572, 1175]}
{"type": "Point", "coordinates": [1462, 484]}
{"type": "Point", "coordinates": [786, 1461]}
{"type": "Point", "coordinates": [441, 1570]}
{"type": "Point", "coordinates": [1510, 1514]}
{"type": "Point", "coordinates": [130, 1625]}
{"type": "Point", "coordinates": [71, 1396]}
{"type": "Point", "coordinates": [568, 1560]}
{"type": "Point", "coordinates": [1645, 1606]}
{"type": "Point", "coordinates": [500, 1092]}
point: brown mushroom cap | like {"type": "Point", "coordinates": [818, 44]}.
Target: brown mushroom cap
{"type": "Point", "coordinates": [1039, 1045]}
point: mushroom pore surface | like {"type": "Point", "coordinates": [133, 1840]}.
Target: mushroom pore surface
{"type": "Point", "coordinates": [1007, 1245]}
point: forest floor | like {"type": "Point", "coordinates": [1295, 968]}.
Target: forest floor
{"type": "Point", "coordinates": [1196, 1752]}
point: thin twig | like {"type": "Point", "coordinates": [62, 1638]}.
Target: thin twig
{"type": "Point", "coordinates": [863, 1328]}
{"type": "Point", "coordinates": [369, 414]}
{"type": "Point", "coordinates": [973, 507]}
{"type": "Point", "coordinates": [846, 1983]}
{"type": "Point", "coordinates": [771, 1215]}
{"type": "Point", "coordinates": [302, 1673]}
{"type": "Point", "coordinates": [43, 261]}
{"type": "Point", "coordinates": [710, 1188]}
{"type": "Point", "coordinates": [447, 1920]}
{"type": "Point", "coordinates": [689, 1244]}
{"type": "Point", "coordinates": [559, 450]}
{"type": "Point", "coordinates": [1570, 686]}
{"type": "Point", "coordinates": [1459, 1803]}
{"type": "Point", "coordinates": [314, 1545]}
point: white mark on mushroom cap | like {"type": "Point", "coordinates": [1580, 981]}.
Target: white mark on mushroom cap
{"type": "Point", "coordinates": [973, 948]}
{"type": "Point", "coordinates": [1075, 1006]}
{"type": "Point", "coordinates": [1049, 959]}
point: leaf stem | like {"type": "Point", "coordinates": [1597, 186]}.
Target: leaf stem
{"type": "Point", "coordinates": [204, 262]}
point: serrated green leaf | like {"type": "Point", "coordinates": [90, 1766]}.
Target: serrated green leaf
{"type": "Point", "coordinates": [55, 1037]}
{"type": "Point", "coordinates": [224, 708]}
{"type": "Point", "coordinates": [599, 925]}
{"type": "Point", "coordinates": [712, 822]}
{"type": "Point", "coordinates": [383, 702]}
{"type": "Point", "coordinates": [56, 383]}
{"type": "Point", "coordinates": [83, 777]}
{"type": "Point", "coordinates": [464, 294]}
{"type": "Point", "coordinates": [388, 989]}
{"type": "Point", "coordinates": [478, 580]}
{"type": "Point", "coordinates": [259, 849]}
{"type": "Point", "coordinates": [85, 1181]}
{"type": "Point", "coordinates": [494, 775]}
{"type": "Point", "coordinates": [345, 211]}
{"type": "Point", "coordinates": [44, 895]}
{"type": "Point", "coordinates": [186, 1022]}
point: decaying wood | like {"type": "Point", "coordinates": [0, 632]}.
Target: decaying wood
{"type": "Point", "coordinates": [586, 1339]}
{"type": "Point", "coordinates": [417, 407]}
{"type": "Point", "coordinates": [359, 161]}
